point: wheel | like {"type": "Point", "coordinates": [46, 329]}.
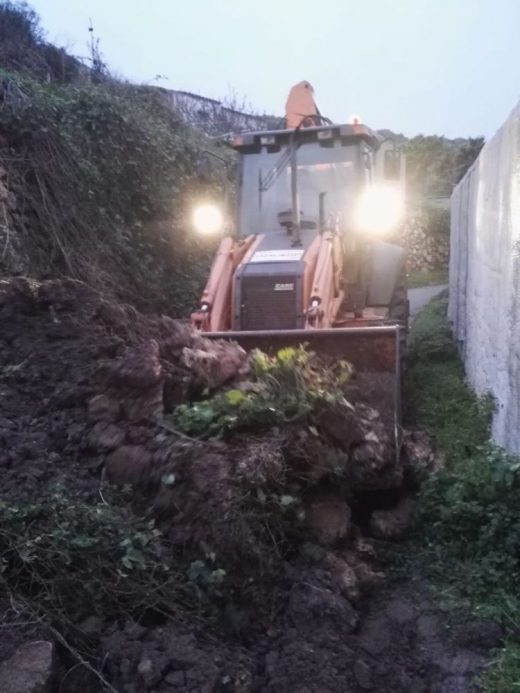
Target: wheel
{"type": "Point", "coordinates": [399, 312]}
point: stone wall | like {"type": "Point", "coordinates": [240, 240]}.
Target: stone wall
{"type": "Point", "coordinates": [485, 276]}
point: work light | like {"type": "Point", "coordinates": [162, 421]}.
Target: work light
{"type": "Point", "coordinates": [207, 219]}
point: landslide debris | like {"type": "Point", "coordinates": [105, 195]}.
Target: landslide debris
{"type": "Point", "coordinates": [240, 481]}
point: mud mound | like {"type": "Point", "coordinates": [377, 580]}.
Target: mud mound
{"type": "Point", "coordinates": [264, 524]}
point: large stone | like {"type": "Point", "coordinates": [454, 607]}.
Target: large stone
{"type": "Point", "coordinates": [106, 436]}
{"type": "Point", "coordinates": [139, 368]}
{"type": "Point", "coordinates": [329, 519]}
{"type": "Point", "coordinates": [215, 363]}
{"type": "Point", "coordinates": [391, 524]}
{"type": "Point", "coordinates": [363, 674]}
{"type": "Point", "coordinates": [310, 603]}
{"type": "Point", "coordinates": [418, 456]}
{"type": "Point", "coordinates": [344, 576]}
{"type": "Point", "coordinates": [129, 464]}
{"type": "Point", "coordinates": [29, 670]}
{"type": "Point", "coordinates": [104, 408]}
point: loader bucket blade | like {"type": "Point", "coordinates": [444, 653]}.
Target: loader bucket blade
{"type": "Point", "coordinates": [373, 351]}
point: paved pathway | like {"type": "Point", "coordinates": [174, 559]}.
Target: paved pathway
{"type": "Point", "coordinates": [422, 295]}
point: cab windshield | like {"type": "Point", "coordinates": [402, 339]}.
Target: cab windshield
{"type": "Point", "coordinates": [331, 170]}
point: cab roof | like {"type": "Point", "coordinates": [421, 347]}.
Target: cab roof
{"type": "Point", "coordinates": [349, 133]}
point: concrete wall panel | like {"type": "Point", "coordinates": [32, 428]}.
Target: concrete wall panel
{"type": "Point", "coordinates": [484, 303]}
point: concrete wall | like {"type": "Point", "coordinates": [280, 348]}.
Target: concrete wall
{"type": "Point", "coordinates": [485, 276]}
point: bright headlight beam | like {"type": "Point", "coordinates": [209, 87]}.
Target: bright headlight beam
{"type": "Point", "coordinates": [380, 209]}
{"type": "Point", "coordinates": [207, 219]}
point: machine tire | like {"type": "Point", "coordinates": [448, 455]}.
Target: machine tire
{"type": "Point", "coordinates": [399, 311]}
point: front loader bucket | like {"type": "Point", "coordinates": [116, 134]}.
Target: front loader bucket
{"type": "Point", "coordinates": [374, 351]}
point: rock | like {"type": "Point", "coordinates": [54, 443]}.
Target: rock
{"type": "Point", "coordinates": [344, 576]}
{"type": "Point", "coordinates": [463, 663]}
{"type": "Point", "coordinates": [363, 674]}
{"type": "Point", "coordinates": [215, 363]}
{"type": "Point", "coordinates": [368, 579]}
{"type": "Point", "coordinates": [336, 423]}
{"type": "Point", "coordinates": [329, 519]}
{"type": "Point", "coordinates": [92, 625]}
{"type": "Point", "coordinates": [139, 368]}
{"type": "Point", "coordinates": [391, 524]}
{"type": "Point", "coordinates": [103, 408]}
{"type": "Point", "coordinates": [243, 682]}
{"type": "Point", "coordinates": [428, 626]}
{"type": "Point", "coordinates": [375, 634]}
{"type": "Point", "coordinates": [308, 602]}
{"type": "Point", "coordinates": [144, 404]}
{"type": "Point", "coordinates": [418, 456]}
{"type": "Point", "coordinates": [373, 464]}
{"type": "Point", "coordinates": [401, 612]}
{"type": "Point", "coordinates": [106, 436]}
{"type": "Point", "coordinates": [29, 670]}
{"type": "Point", "coordinates": [484, 634]}
{"type": "Point", "coordinates": [455, 684]}
{"type": "Point", "coordinates": [129, 464]}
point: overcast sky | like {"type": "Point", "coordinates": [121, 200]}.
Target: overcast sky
{"type": "Point", "coordinates": [447, 67]}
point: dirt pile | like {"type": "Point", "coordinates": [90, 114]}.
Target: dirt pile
{"type": "Point", "coordinates": [267, 526]}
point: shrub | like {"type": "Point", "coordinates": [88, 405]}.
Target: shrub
{"type": "Point", "coordinates": [71, 559]}
{"type": "Point", "coordinates": [107, 174]}
{"type": "Point", "coordinates": [291, 385]}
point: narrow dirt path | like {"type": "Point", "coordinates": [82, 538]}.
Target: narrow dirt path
{"type": "Point", "coordinates": [422, 295]}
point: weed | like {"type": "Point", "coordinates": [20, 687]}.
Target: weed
{"type": "Point", "coordinates": [73, 559]}
{"type": "Point", "coordinates": [291, 386]}
{"type": "Point", "coordinates": [418, 278]}
{"type": "Point", "coordinates": [504, 674]}
{"type": "Point", "coordinates": [468, 521]}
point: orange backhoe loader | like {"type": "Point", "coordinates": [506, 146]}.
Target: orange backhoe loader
{"type": "Point", "coordinates": [310, 261]}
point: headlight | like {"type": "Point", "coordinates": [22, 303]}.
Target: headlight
{"type": "Point", "coordinates": [380, 209]}
{"type": "Point", "coordinates": [207, 219]}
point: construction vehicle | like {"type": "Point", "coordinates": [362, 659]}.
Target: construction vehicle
{"type": "Point", "coordinates": [310, 261]}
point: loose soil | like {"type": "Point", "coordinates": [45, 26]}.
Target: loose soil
{"type": "Point", "coordinates": [84, 387]}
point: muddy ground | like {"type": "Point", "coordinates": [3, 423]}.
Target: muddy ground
{"type": "Point", "coordinates": [84, 386]}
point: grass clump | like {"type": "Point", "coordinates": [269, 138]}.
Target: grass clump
{"type": "Point", "coordinates": [441, 400]}
{"type": "Point", "coordinates": [468, 516]}
{"type": "Point", "coordinates": [504, 674]}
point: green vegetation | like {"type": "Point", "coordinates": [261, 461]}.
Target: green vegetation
{"type": "Point", "coordinates": [288, 387]}
{"type": "Point", "coordinates": [68, 559]}
{"type": "Point", "coordinates": [504, 674]}
{"type": "Point", "coordinates": [468, 522]}
{"type": "Point", "coordinates": [108, 174]}
{"type": "Point", "coordinates": [435, 164]}
{"type": "Point", "coordinates": [427, 278]}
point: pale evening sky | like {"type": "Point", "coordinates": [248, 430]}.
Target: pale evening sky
{"type": "Point", "coordinates": [447, 67]}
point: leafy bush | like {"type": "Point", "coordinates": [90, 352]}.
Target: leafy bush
{"type": "Point", "coordinates": [71, 559]}
{"type": "Point", "coordinates": [471, 510]}
{"type": "Point", "coordinates": [108, 174]}
{"type": "Point", "coordinates": [290, 386]}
